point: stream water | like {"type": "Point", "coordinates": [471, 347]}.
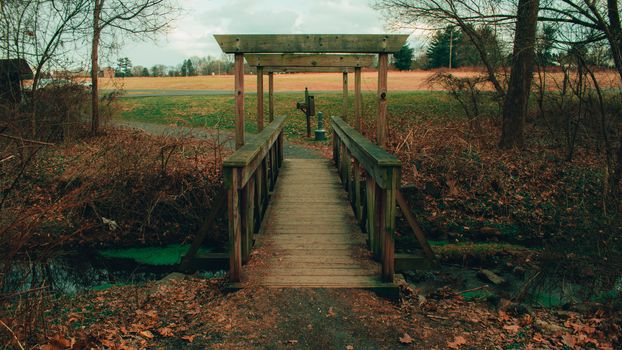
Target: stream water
{"type": "Point", "coordinates": [97, 270]}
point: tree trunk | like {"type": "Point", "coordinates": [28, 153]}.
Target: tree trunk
{"type": "Point", "coordinates": [95, 67]}
{"type": "Point", "coordinates": [515, 106]}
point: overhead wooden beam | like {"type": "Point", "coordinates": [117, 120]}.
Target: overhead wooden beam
{"type": "Point", "coordinates": [310, 43]}
{"type": "Point", "coordinates": [309, 60]}
{"type": "Point", "coordinates": [308, 69]}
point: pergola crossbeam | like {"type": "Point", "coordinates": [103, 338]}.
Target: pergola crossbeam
{"type": "Point", "coordinates": [309, 60]}
{"type": "Point", "coordinates": [311, 43]}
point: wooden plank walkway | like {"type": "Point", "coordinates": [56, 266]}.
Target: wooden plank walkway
{"type": "Point", "coordinates": [310, 236]}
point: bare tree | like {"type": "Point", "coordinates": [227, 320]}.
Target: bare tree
{"type": "Point", "coordinates": [515, 105]}
{"type": "Point", "coordinates": [42, 32]}
{"type": "Point", "coordinates": [137, 18]}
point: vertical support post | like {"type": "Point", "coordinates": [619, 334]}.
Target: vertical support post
{"type": "Point", "coordinates": [258, 201]}
{"type": "Point", "coordinates": [308, 112]}
{"type": "Point", "coordinates": [358, 124]}
{"type": "Point", "coordinates": [281, 144]}
{"type": "Point", "coordinates": [260, 98]}
{"type": "Point", "coordinates": [235, 229]}
{"type": "Point", "coordinates": [345, 96]}
{"type": "Point", "coordinates": [378, 223]}
{"type": "Point", "coordinates": [357, 191]}
{"type": "Point", "coordinates": [271, 95]}
{"type": "Point", "coordinates": [246, 214]}
{"type": "Point", "coordinates": [381, 123]}
{"type": "Point", "coordinates": [239, 100]}
{"type": "Point", "coordinates": [388, 225]}
{"type": "Point", "coordinates": [370, 192]}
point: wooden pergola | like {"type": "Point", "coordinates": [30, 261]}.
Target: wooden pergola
{"type": "Point", "coordinates": [322, 63]}
{"type": "Point", "coordinates": [277, 55]}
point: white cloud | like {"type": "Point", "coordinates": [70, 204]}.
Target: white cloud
{"type": "Point", "coordinates": [192, 33]}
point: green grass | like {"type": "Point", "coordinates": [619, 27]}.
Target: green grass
{"type": "Point", "coordinates": [217, 111]}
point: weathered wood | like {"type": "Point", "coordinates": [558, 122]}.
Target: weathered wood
{"type": "Point", "coordinates": [239, 100]}
{"type": "Point", "coordinates": [344, 107]}
{"type": "Point", "coordinates": [372, 158]}
{"type": "Point", "coordinates": [388, 231]}
{"type": "Point", "coordinates": [310, 43]}
{"type": "Point", "coordinates": [357, 190]}
{"type": "Point", "coordinates": [260, 115]}
{"type": "Point", "coordinates": [271, 96]}
{"type": "Point", "coordinates": [309, 69]}
{"type": "Point", "coordinates": [370, 204]}
{"type": "Point", "coordinates": [309, 60]}
{"type": "Point", "coordinates": [358, 100]}
{"type": "Point", "coordinates": [381, 123]}
{"type": "Point", "coordinates": [414, 225]}
{"type": "Point", "coordinates": [235, 230]}
{"type": "Point", "coordinates": [246, 225]}
{"type": "Point", "coordinates": [249, 157]}
{"type": "Point", "coordinates": [319, 239]}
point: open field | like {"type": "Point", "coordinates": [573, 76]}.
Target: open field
{"type": "Point", "coordinates": [398, 81]}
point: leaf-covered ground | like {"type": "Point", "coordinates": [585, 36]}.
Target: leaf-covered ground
{"type": "Point", "coordinates": [196, 313]}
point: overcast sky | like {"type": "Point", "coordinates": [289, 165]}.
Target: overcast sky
{"type": "Point", "coordinates": [192, 32]}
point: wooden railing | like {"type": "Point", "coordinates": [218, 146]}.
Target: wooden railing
{"type": "Point", "coordinates": [356, 156]}
{"type": "Point", "coordinates": [249, 174]}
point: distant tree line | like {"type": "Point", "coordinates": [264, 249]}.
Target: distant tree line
{"type": "Point", "coordinates": [189, 67]}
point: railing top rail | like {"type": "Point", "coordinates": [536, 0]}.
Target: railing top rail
{"type": "Point", "coordinates": [247, 153]}
{"type": "Point", "coordinates": [371, 152]}
{"type": "Point", "coordinates": [377, 162]}
{"type": "Point", "coordinates": [248, 157]}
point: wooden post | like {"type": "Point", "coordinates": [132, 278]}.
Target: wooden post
{"type": "Point", "coordinates": [387, 229]}
{"type": "Point", "coordinates": [371, 212]}
{"type": "Point", "coordinates": [246, 215]}
{"type": "Point", "coordinates": [345, 96]}
{"type": "Point", "coordinates": [357, 191]}
{"type": "Point", "coordinates": [381, 123]}
{"type": "Point", "coordinates": [260, 98]}
{"type": "Point", "coordinates": [378, 222]}
{"type": "Point", "coordinates": [239, 100]}
{"type": "Point", "coordinates": [271, 96]}
{"type": "Point", "coordinates": [281, 150]}
{"type": "Point", "coordinates": [258, 199]}
{"type": "Point", "coordinates": [235, 229]}
{"type": "Point", "coordinates": [358, 124]}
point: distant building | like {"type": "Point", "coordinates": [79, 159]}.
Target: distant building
{"type": "Point", "coordinates": [12, 74]}
{"type": "Point", "coordinates": [107, 72]}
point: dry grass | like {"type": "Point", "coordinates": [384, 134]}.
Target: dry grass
{"type": "Point", "coordinates": [398, 81]}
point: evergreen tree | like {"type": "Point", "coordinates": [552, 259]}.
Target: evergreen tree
{"type": "Point", "coordinates": [545, 42]}
{"type": "Point", "coordinates": [145, 72]}
{"type": "Point", "coordinates": [438, 52]}
{"type": "Point", "coordinates": [124, 67]}
{"type": "Point", "coordinates": [403, 58]}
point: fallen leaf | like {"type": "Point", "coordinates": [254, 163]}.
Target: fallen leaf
{"type": "Point", "coordinates": [569, 340]}
{"type": "Point", "coordinates": [331, 312]}
{"type": "Point", "coordinates": [292, 341]}
{"type": "Point", "coordinates": [189, 338]}
{"type": "Point", "coordinates": [512, 328]}
{"type": "Point", "coordinates": [146, 334]}
{"type": "Point", "coordinates": [165, 332]}
{"type": "Point", "coordinates": [406, 339]}
{"type": "Point", "coordinates": [349, 347]}
{"type": "Point", "coordinates": [457, 343]}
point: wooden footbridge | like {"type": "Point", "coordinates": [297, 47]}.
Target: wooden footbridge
{"type": "Point", "coordinates": [324, 223]}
